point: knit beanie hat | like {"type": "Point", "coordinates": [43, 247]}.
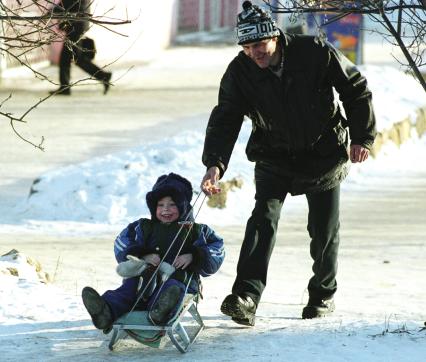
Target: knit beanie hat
{"type": "Point", "coordinates": [178, 188]}
{"type": "Point", "coordinates": [254, 24]}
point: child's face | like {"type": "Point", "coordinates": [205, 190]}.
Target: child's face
{"type": "Point", "coordinates": [167, 210]}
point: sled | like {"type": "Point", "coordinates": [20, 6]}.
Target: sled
{"type": "Point", "coordinates": [181, 331]}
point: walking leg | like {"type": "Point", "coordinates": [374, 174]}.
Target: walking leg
{"type": "Point", "coordinates": [256, 250]}
{"type": "Point", "coordinates": [64, 70]}
{"type": "Point", "coordinates": [258, 243]}
{"type": "Point", "coordinates": [86, 64]}
{"type": "Point", "coordinates": [323, 227]}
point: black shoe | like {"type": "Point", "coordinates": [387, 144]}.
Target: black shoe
{"type": "Point", "coordinates": [106, 82]}
{"type": "Point", "coordinates": [61, 91]}
{"type": "Point", "coordinates": [164, 305]}
{"type": "Point", "coordinates": [317, 308]}
{"type": "Point", "coordinates": [241, 309]}
{"type": "Point", "coordinates": [107, 330]}
{"type": "Point", "coordinates": [98, 309]}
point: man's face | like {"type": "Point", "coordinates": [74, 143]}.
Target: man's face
{"type": "Point", "coordinates": [167, 210]}
{"type": "Point", "coordinates": [261, 52]}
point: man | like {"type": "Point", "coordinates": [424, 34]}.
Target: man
{"type": "Point", "coordinates": [299, 143]}
{"type": "Point", "coordinates": [72, 49]}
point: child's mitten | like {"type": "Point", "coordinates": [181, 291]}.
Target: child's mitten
{"type": "Point", "coordinates": [166, 270]}
{"type": "Point", "coordinates": [132, 267]}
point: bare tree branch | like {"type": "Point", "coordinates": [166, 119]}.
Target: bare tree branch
{"type": "Point", "coordinates": [403, 22]}
{"type": "Point", "coordinates": [27, 28]}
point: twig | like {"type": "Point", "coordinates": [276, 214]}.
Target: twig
{"type": "Point", "coordinates": [58, 262]}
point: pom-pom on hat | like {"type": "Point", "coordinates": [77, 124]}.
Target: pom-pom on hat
{"type": "Point", "coordinates": [254, 24]}
{"type": "Point", "coordinates": [178, 188]}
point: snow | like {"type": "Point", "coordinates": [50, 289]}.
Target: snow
{"type": "Point", "coordinates": [111, 190]}
{"type": "Point", "coordinates": [41, 321]}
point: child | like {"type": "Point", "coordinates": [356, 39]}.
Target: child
{"type": "Point", "coordinates": [144, 243]}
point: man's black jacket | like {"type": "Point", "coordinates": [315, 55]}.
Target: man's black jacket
{"type": "Point", "coordinates": [296, 124]}
{"type": "Point", "coordinates": [76, 8]}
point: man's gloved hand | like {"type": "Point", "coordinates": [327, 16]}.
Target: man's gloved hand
{"type": "Point", "coordinates": [131, 268]}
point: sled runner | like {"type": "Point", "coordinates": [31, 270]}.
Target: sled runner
{"type": "Point", "coordinates": [181, 331]}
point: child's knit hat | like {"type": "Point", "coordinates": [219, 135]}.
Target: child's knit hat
{"type": "Point", "coordinates": [175, 186]}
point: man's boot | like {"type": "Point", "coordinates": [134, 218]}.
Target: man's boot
{"type": "Point", "coordinates": [106, 82]}
{"type": "Point", "coordinates": [61, 91]}
{"type": "Point", "coordinates": [241, 309]}
{"type": "Point", "coordinates": [317, 308]}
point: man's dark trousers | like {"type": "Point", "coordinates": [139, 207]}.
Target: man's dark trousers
{"type": "Point", "coordinates": [71, 51]}
{"type": "Point", "coordinates": [259, 240]}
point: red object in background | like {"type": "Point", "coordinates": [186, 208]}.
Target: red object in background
{"type": "Point", "coordinates": [55, 49]}
{"type": "Point", "coordinates": [189, 14]}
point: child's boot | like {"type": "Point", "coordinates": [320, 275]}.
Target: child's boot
{"type": "Point", "coordinates": [165, 304]}
{"type": "Point", "coordinates": [98, 309]}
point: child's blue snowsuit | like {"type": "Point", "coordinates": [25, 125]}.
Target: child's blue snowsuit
{"type": "Point", "coordinates": [207, 250]}
{"type": "Point", "coordinates": [147, 236]}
